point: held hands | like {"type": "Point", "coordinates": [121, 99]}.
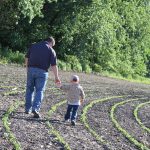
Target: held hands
{"type": "Point", "coordinates": [81, 101]}
{"type": "Point", "coordinates": [58, 82]}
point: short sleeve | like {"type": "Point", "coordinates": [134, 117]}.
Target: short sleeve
{"type": "Point", "coordinates": [53, 58]}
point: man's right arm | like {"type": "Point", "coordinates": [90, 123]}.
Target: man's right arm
{"type": "Point", "coordinates": [55, 71]}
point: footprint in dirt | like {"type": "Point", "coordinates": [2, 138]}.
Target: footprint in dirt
{"type": "Point", "coordinates": [105, 147]}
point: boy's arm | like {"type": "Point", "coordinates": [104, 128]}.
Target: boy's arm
{"type": "Point", "coordinates": [65, 87]}
{"type": "Point", "coordinates": [82, 94]}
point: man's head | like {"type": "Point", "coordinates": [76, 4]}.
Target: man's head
{"type": "Point", "coordinates": [75, 78]}
{"type": "Point", "coordinates": [51, 41]}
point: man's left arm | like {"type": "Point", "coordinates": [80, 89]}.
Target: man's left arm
{"type": "Point", "coordinates": [27, 58]}
{"type": "Point", "coordinates": [26, 62]}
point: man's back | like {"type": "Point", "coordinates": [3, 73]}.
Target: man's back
{"type": "Point", "coordinates": [41, 56]}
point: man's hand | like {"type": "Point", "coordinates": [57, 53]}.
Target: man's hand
{"type": "Point", "coordinates": [58, 82]}
{"type": "Point", "coordinates": [55, 71]}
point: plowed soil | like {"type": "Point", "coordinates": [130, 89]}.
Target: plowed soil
{"type": "Point", "coordinates": [36, 134]}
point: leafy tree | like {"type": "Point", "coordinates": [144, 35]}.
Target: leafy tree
{"type": "Point", "coordinates": [111, 35]}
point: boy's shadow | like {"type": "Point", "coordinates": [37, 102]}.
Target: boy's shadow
{"type": "Point", "coordinates": [29, 117]}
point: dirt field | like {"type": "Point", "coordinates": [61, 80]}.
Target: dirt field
{"type": "Point", "coordinates": [115, 115]}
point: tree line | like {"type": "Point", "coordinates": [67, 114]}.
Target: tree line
{"type": "Point", "coordinates": [105, 35]}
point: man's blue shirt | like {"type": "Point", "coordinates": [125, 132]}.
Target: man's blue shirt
{"type": "Point", "coordinates": [40, 55]}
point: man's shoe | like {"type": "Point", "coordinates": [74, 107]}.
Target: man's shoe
{"type": "Point", "coordinates": [66, 120]}
{"type": "Point", "coordinates": [36, 114]}
{"type": "Point", "coordinates": [73, 123]}
{"type": "Point", "coordinates": [28, 112]}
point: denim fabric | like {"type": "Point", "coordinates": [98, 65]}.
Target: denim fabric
{"type": "Point", "coordinates": [36, 82]}
{"type": "Point", "coordinates": [71, 112]}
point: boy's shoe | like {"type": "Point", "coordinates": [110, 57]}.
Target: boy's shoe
{"type": "Point", "coordinates": [73, 123]}
{"type": "Point", "coordinates": [36, 114]}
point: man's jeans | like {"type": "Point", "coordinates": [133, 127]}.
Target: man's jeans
{"type": "Point", "coordinates": [36, 82]}
{"type": "Point", "coordinates": [71, 112]}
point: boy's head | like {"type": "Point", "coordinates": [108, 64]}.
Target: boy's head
{"type": "Point", "coordinates": [75, 78]}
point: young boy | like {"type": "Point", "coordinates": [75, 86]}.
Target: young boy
{"type": "Point", "coordinates": [75, 97]}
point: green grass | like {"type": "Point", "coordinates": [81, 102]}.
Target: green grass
{"type": "Point", "coordinates": [138, 119]}
{"type": "Point", "coordinates": [138, 79]}
{"type": "Point", "coordinates": [18, 58]}
{"type": "Point", "coordinates": [12, 57]}
{"type": "Point", "coordinates": [123, 131]}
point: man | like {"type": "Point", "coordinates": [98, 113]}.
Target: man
{"type": "Point", "coordinates": [39, 58]}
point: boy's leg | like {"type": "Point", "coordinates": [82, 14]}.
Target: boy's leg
{"type": "Point", "coordinates": [67, 115]}
{"type": "Point", "coordinates": [40, 84]}
{"type": "Point", "coordinates": [74, 112]}
{"type": "Point", "coordinates": [29, 90]}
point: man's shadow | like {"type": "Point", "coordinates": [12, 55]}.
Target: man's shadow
{"type": "Point", "coordinates": [29, 117]}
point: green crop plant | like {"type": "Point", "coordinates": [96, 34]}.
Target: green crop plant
{"type": "Point", "coordinates": [123, 131]}
{"type": "Point", "coordinates": [8, 87]}
{"type": "Point", "coordinates": [12, 93]}
{"type": "Point", "coordinates": [58, 136]}
{"type": "Point", "coordinates": [138, 119]}
{"type": "Point", "coordinates": [5, 120]}
{"type": "Point", "coordinates": [53, 130]}
{"type": "Point", "coordinates": [85, 120]}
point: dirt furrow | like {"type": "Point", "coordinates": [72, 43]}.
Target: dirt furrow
{"type": "Point", "coordinates": [100, 121]}
{"type": "Point", "coordinates": [144, 115]}
{"type": "Point", "coordinates": [35, 134]}
{"type": "Point", "coordinates": [126, 119]}
{"type": "Point", "coordinates": [76, 136]}
{"type": "Point", "coordinates": [32, 133]}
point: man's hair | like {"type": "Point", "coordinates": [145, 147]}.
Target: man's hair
{"type": "Point", "coordinates": [50, 40]}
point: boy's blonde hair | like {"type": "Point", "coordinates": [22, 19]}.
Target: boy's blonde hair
{"type": "Point", "coordinates": [75, 78]}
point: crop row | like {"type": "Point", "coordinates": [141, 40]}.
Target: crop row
{"type": "Point", "coordinates": [84, 119]}
{"type": "Point", "coordinates": [138, 119]}
{"type": "Point", "coordinates": [13, 108]}
{"type": "Point", "coordinates": [121, 129]}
